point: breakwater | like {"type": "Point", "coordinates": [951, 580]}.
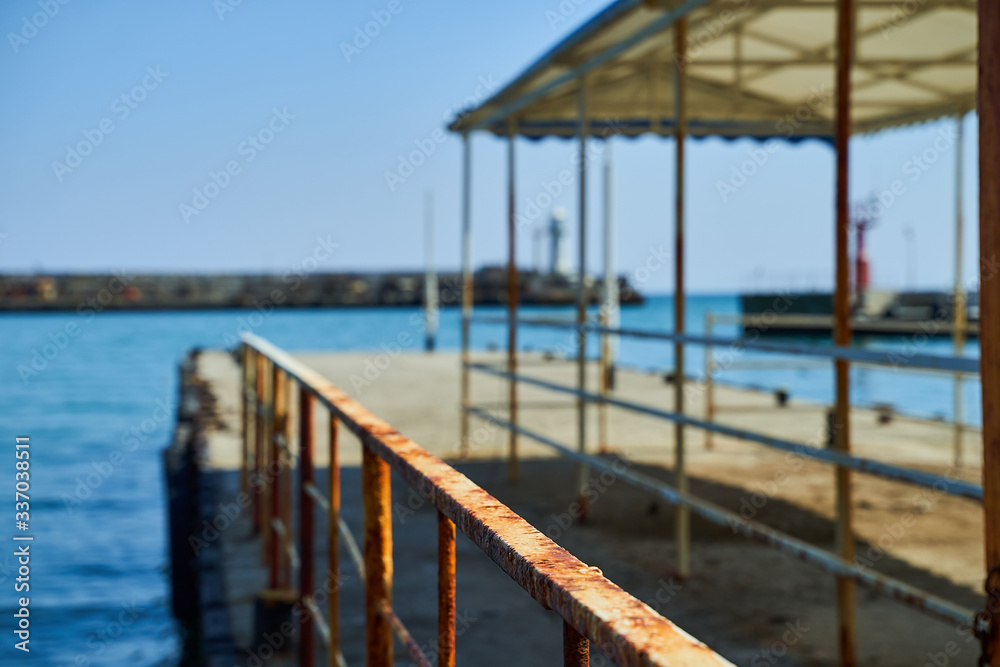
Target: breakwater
{"type": "Point", "coordinates": [94, 293]}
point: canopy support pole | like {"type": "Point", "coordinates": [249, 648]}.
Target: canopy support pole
{"type": "Point", "coordinates": [846, 591]}
{"type": "Point", "coordinates": [431, 292]}
{"type": "Point", "coordinates": [958, 316]}
{"type": "Point", "coordinates": [512, 470]}
{"type": "Point", "coordinates": [683, 516]}
{"type": "Point", "coordinates": [989, 304]}
{"type": "Point", "coordinates": [467, 286]}
{"type": "Point", "coordinates": [581, 298]}
{"type": "Point", "coordinates": [610, 317]}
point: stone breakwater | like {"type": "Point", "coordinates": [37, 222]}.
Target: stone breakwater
{"type": "Point", "coordinates": [297, 288]}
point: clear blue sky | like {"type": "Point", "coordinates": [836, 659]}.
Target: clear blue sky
{"type": "Point", "coordinates": [224, 73]}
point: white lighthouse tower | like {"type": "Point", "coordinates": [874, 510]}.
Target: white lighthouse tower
{"type": "Point", "coordinates": [558, 262]}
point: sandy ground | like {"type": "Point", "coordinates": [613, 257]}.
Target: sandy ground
{"type": "Point", "coordinates": [752, 604]}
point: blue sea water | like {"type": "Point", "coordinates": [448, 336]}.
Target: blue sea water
{"type": "Point", "coordinates": [98, 404]}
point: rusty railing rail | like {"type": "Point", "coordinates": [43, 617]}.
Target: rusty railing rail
{"type": "Point", "coordinates": [888, 586]}
{"type": "Point", "coordinates": [940, 483]}
{"type": "Point", "coordinates": [593, 609]}
{"type": "Point", "coordinates": [888, 358]}
{"type": "Point", "coordinates": [892, 588]}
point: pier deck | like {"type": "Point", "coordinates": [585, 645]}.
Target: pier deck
{"type": "Point", "coordinates": [743, 598]}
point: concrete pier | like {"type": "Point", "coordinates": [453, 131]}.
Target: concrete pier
{"type": "Point", "coordinates": [753, 605]}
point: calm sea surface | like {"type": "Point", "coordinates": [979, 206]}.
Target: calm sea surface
{"type": "Point", "coordinates": [99, 578]}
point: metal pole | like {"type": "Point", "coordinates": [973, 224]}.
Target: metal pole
{"type": "Point", "coordinates": [605, 386]}
{"type": "Point", "coordinates": [467, 285]}
{"type": "Point", "coordinates": [846, 590]}
{"type": "Point", "coordinates": [245, 418]}
{"type": "Point", "coordinates": [307, 539]}
{"type": "Point", "coordinates": [378, 557]}
{"type": "Point", "coordinates": [959, 308]}
{"type": "Point", "coordinates": [610, 316]}
{"type": "Point", "coordinates": [268, 455]}
{"type": "Point", "coordinates": [576, 647]}
{"type": "Point", "coordinates": [446, 591]}
{"type": "Point", "coordinates": [709, 382]}
{"type": "Point", "coordinates": [512, 471]}
{"type": "Point", "coordinates": [333, 542]}
{"type": "Point", "coordinates": [989, 301]}
{"type": "Point", "coordinates": [287, 484]}
{"type": "Point", "coordinates": [431, 293]}
{"type": "Point", "coordinates": [581, 295]}
{"type": "Point", "coordinates": [258, 437]}
{"type": "Point", "coordinates": [610, 270]}
{"type": "Point", "coordinates": [276, 541]}
{"type": "Point", "coordinates": [683, 515]}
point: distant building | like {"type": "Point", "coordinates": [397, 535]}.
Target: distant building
{"type": "Point", "coordinates": [558, 261]}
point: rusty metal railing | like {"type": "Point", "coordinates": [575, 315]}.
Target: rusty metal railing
{"type": "Point", "coordinates": [593, 609]}
{"type": "Point", "coordinates": [841, 460]}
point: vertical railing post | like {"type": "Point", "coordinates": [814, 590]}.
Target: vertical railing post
{"type": "Point", "coordinates": [582, 471]}
{"type": "Point", "coordinates": [512, 288]}
{"type": "Point", "coordinates": [959, 308]}
{"type": "Point", "coordinates": [467, 286]}
{"type": "Point", "coordinates": [605, 385]}
{"type": "Point", "coordinates": [610, 311]}
{"type": "Point", "coordinates": [287, 485]}
{"type": "Point", "coordinates": [709, 381]}
{"type": "Point", "coordinates": [576, 647]}
{"type": "Point", "coordinates": [377, 499]}
{"type": "Point", "coordinates": [432, 294]}
{"type": "Point", "coordinates": [682, 514]}
{"type": "Point", "coordinates": [245, 413]}
{"type": "Point", "coordinates": [307, 540]}
{"type": "Point", "coordinates": [846, 591]}
{"type": "Point", "coordinates": [446, 591]}
{"type": "Point", "coordinates": [333, 542]}
{"type": "Point", "coordinates": [275, 470]}
{"type": "Point", "coordinates": [267, 443]}
{"type": "Point", "coordinates": [258, 438]}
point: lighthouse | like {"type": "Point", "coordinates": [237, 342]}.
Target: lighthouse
{"type": "Point", "coordinates": [558, 262]}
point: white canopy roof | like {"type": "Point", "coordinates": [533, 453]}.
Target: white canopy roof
{"type": "Point", "coordinates": [759, 68]}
